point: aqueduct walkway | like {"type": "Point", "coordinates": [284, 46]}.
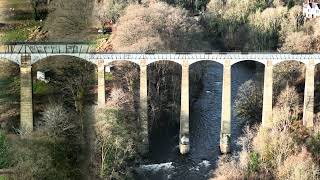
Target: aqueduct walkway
{"type": "Point", "coordinates": [25, 55]}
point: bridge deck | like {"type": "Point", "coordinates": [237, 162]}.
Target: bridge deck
{"type": "Point", "coordinates": [39, 51]}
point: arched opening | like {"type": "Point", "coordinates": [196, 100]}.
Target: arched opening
{"type": "Point", "coordinates": [9, 95]}
{"type": "Point", "coordinates": [64, 90]}
{"type": "Point", "coordinates": [62, 79]}
{"type": "Point", "coordinates": [122, 81]}
{"type": "Point", "coordinates": [205, 110]}
{"type": "Point", "coordinates": [288, 90]}
{"type": "Point", "coordinates": [164, 90]}
{"type": "Point", "coordinates": [247, 79]}
{"type": "Point", "coordinates": [123, 74]}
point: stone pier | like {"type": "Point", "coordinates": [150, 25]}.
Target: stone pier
{"type": "Point", "coordinates": [184, 144]}
{"type": "Point", "coordinates": [26, 107]}
{"type": "Point", "coordinates": [101, 84]}
{"type": "Point", "coordinates": [308, 105]}
{"type": "Point", "coordinates": [144, 106]}
{"type": "Point", "coordinates": [267, 95]}
{"type": "Point", "coordinates": [225, 137]}
{"type": "Point", "coordinates": [27, 54]}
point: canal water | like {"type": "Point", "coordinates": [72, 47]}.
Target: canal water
{"type": "Point", "coordinates": [166, 163]}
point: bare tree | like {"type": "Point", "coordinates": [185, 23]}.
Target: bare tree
{"type": "Point", "coordinates": [248, 102]}
{"type": "Point", "coordinates": [75, 80]}
{"type": "Point", "coordinates": [69, 20]}
{"type": "Point", "coordinates": [157, 27]}
{"type": "Point", "coordinates": [287, 107]}
{"type": "Point", "coordinates": [287, 73]}
{"type": "Point", "coordinates": [57, 121]}
{"type": "Point", "coordinates": [305, 40]}
{"type": "Point", "coordinates": [107, 12]}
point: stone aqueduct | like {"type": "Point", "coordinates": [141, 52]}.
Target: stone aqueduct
{"type": "Point", "coordinates": [26, 55]}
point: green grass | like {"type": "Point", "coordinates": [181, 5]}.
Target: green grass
{"type": "Point", "coordinates": [3, 178]}
{"type": "Point", "coordinates": [102, 36]}
{"type": "Point", "coordinates": [108, 76]}
{"type": "Point", "coordinates": [15, 35]}
{"type": "Point", "coordinates": [20, 33]}
{"type": "Point", "coordinates": [97, 39]}
{"type": "Point", "coordinates": [41, 88]}
{"type": "Point", "coordinates": [23, 16]}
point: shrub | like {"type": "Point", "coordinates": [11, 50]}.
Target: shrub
{"type": "Point", "coordinates": [157, 27]}
{"type": "Point", "coordinates": [54, 151]}
{"type": "Point", "coordinates": [313, 145]}
{"type": "Point", "coordinates": [116, 136]}
{"type": "Point", "coordinates": [40, 88]}
{"type": "Point", "coordinates": [254, 162]}
{"type": "Point", "coordinates": [242, 165]}
{"type": "Point", "coordinates": [305, 40]}
{"type": "Point", "coordinates": [287, 106]}
{"type": "Point", "coordinates": [229, 168]}
{"type": "Point", "coordinates": [297, 167]}
{"type": "Point", "coordinates": [32, 159]}
{"type": "Point", "coordinates": [42, 158]}
{"type": "Point", "coordinates": [4, 151]}
{"type": "Point", "coordinates": [106, 11]}
{"type": "Point", "coordinates": [58, 122]}
{"type": "Point", "coordinates": [275, 150]}
{"type": "Point", "coordinates": [115, 142]}
{"type": "Point", "coordinates": [299, 132]}
{"type": "Point", "coordinates": [264, 28]}
{"type": "Point", "coordinates": [248, 103]}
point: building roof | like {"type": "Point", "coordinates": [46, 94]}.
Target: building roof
{"type": "Point", "coordinates": [312, 5]}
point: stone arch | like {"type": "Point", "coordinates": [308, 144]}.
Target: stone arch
{"type": "Point", "coordinates": [174, 61]}
{"type": "Point", "coordinates": [35, 58]}
{"type": "Point", "coordinates": [261, 61]}
{"type": "Point", "coordinates": [124, 69]}
{"type": "Point", "coordinates": [246, 72]}
{"type": "Point", "coordinates": [205, 101]}
{"type": "Point", "coordinates": [192, 62]}
{"type": "Point", "coordinates": [14, 58]}
{"type": "Point", "coordinates": [294, 76]}
{"type": "Point", "coordinates": [152, 61]}
{"type": "Point", "coordinates": [136, 63]}
{"type": "Point", "coordinates": [9, 67]}
{"type": "Point", "coordinates": [279, 61]}
{"type": "Point", "coordinates": [316, 62]}
{"type": "Point", "coordinates": [162, 120]}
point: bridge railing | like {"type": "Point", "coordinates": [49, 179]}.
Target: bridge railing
{"type": "Point", "coordinates": [27, 47]}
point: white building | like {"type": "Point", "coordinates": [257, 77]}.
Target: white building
{"type": "Point", "coordinates": [41, 76]}
{"type": "Point", "coordinates": [311, 9]}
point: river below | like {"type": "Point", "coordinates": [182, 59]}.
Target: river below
{"type": "Point", "coordinates": [165, 162]}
